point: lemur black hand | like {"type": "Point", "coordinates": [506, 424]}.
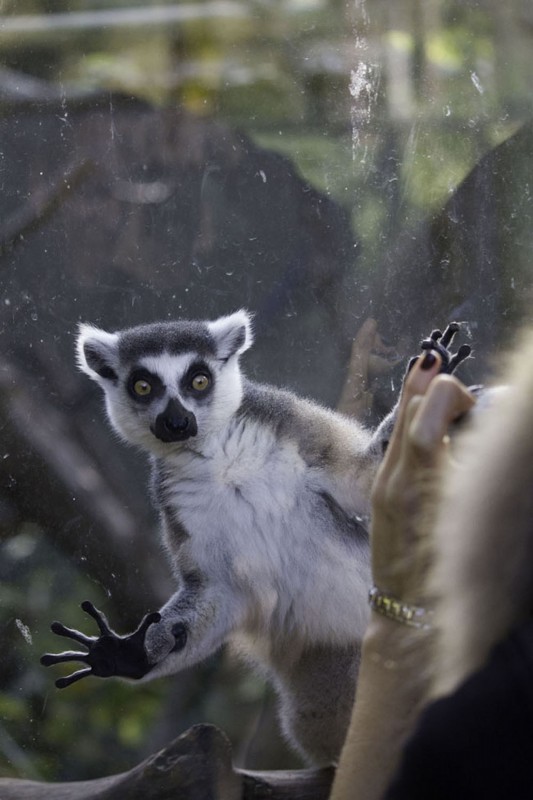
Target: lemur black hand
{"type": "Point", "coordinates": [440, 342]}
{"type": "Point", "coordinates": [108, 654]}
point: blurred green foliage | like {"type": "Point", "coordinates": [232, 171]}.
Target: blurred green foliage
{"type": "Point", "coordinates": [94, 727]}
{"type": "Point", "coordinates": [37, 723]}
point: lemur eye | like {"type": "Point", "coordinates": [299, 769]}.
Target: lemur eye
{"type": "Point", "coordinates": [142, 388]}
{"type": "Point", "coordinates": [200, 382]}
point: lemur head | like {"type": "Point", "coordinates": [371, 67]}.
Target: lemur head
{"type": "Point", "coordinates": [167, 382]}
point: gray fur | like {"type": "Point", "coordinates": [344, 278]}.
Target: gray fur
{"type": "Point", "coordinates": [263, 511]}
{"type": "Point", "coordinates": [160, 337]}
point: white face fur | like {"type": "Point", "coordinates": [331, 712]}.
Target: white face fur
{"type": "Point", "coordinates": [168, 385]}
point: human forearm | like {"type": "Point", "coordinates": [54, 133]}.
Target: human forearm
{"type": "Point", "coordinates": [390, 691]}
{"type": "Point", "coordinates": [396, 661]}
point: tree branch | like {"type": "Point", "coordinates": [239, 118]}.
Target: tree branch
{"type": "Point", "coordinates": [196, 766]}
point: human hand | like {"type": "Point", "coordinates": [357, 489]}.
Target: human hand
{"type": "Point", "coordinates": [369, 357]}
{"type": "Point", "coordinates": [407, 486]}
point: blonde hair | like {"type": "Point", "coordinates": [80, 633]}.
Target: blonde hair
{"type": "Point", "coordinates": [483, 573]}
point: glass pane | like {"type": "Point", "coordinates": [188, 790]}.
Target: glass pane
{"type": "Point", "coordinates": [317, 162]}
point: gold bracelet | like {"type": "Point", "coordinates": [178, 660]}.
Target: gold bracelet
{"type": "Point", "coordinates": [391, 607]}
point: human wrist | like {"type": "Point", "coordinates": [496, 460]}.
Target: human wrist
{"type": "Point", "coordinates": [395, 648]}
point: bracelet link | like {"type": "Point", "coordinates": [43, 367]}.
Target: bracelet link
{"type": "Point", "coordinates": [392, 608]}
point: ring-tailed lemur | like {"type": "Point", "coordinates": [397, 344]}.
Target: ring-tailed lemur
{"type": "Point", "coordinates": [263, 499]}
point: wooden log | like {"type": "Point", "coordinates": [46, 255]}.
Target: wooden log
{"type": "Point", "coordinates": [299, 784]}
{"type": "Point", "coordinates": [196, 766]}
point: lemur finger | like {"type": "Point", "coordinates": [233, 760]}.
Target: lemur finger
{"type": "Point", "coordinates": [62, 683]}
{"type": "Point", "coordinates": [70, 633]}
{"type": "Point", "coordinates": [435, 346]}
{"type": "Point", "coordinates": [449, 333]}
{"type": "Point", "coordinates": [99, 617]}
{"type": "Point", "coordinates": [149, 619]}
{"type": "Point", "coordinates": [49, 659]}
{"type": "Point", "coordinates": [461, 355]}
{"type": "Point", "coordinates": [435, 335]}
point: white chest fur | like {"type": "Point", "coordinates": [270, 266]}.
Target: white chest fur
{"type": "Point", "coordinates": [252, 508]}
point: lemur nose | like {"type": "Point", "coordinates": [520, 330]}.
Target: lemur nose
{"type": "Point", "coordinates": [175, 423]}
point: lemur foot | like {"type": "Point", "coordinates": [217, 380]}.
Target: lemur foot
{"type": "Point", "coordinates": [108, 654]}
{"type": "Point", "coordinates": [440, 343]}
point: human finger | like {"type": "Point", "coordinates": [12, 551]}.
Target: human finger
{"type": "Point", "coordinates": [390, 483]}
{"type": "Point", "coordinates": [416, 383]}
{"type": "Point", "coordinates": [446, 400]}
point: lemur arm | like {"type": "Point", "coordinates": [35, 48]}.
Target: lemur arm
{"type": "Point", "coordinates": [192, 625]}
{"type": "Point", "coordinates": [202, 616]}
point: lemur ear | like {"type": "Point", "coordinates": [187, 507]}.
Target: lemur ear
{"type": "Point", "coordinates": [97, 352]}
{"type": "Point", "coordinates": [233, 334]}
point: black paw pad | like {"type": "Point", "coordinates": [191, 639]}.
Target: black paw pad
{"type": "Point", "coordinates": [179, 632]}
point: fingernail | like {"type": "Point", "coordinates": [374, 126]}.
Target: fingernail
{"type": "Point", "coordinates": [411, 364]}
{"type": "Point", "coordinates": [428, 360]}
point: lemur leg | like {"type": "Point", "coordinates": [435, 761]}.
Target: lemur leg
{"type": "Point", "coordinates": [316, 695]}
